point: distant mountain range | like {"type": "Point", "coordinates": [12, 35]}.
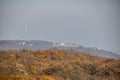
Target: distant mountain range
{"type": "Point", "coordinates": [43, 45]}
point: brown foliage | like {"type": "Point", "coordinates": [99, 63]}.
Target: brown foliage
{"type": "Point", "coordinates": [56, 65]}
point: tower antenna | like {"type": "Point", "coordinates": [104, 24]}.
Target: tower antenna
{"type": "Point", "coordinates": [25, 27]}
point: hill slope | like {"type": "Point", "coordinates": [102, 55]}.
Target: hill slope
{"type": "Point", "coordinates": [56, 65]}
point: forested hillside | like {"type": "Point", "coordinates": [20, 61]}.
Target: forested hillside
{"type": "Point", "coordinates": [56, 65]}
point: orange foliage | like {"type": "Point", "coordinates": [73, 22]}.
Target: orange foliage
{"type": "Point", "coordinates": [56, 65]}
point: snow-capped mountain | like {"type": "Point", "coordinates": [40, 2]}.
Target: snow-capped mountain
{"type": "Point", "coordinates": [43, 45]}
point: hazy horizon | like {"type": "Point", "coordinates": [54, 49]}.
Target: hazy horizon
{"type": "Point", "coordinates": [94, 23]}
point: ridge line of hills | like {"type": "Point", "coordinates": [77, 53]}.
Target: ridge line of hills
{"type": "Point", "coordinates": [45, 45]}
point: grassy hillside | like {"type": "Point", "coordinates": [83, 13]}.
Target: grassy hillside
{"type": "Point", "coordinates": [56, 65]}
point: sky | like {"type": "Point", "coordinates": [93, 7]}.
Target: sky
{"type": "Point", "coordinates": [91, 23]}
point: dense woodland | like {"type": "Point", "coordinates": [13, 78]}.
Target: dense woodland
{"type": "Point", "coordinates": [56, 65]}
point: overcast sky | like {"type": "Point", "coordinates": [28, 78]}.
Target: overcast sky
{"type": "Point", "coordinates": [85, 22]}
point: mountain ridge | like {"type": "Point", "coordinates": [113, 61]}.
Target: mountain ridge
{"type": "Point", "coordinates": [43, 45]}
